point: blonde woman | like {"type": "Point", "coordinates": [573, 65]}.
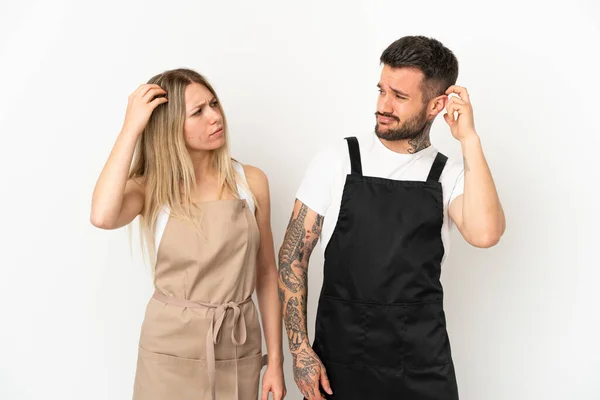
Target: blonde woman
{"type": "Point", "coordinates": [206, 220]}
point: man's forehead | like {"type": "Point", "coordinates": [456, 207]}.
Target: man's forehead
{"type": "Point", "coordinates": [405, 78]}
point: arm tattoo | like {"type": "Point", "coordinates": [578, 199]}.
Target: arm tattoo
{"type": "Point", "coordinates": [292, 250]}
{"type": "Point", "coordinates": [300, 239]}
{"type": "Point", "coordinates": [421, 141]}
{"type": "Point", "coordinates": [296, 328]}
{"type": "Point", "coordinates": [316, 228]}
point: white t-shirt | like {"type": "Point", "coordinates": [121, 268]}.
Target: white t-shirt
{"type": "Point", "coordinates": [323, 184]}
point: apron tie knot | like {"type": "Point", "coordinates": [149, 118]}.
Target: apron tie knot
{"type": "Point", "coordinates": [217, 314]}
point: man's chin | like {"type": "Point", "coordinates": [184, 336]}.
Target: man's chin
{"type": "Point", "coordinates": [379, 130]}
{"type": "Point", "coordinates": [384, 134]}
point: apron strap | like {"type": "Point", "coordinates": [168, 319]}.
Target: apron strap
{"type": "Point", "coordinates": [353, 149]}
{"type": "Point", "coordinates": [438, 166]}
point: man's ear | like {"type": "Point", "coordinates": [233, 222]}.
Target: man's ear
{"type": "Point", "coordinates": [437, 105]}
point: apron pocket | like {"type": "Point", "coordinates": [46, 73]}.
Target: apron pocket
{"type": "Point", "coordinates": [162, 376]}
{"type": "Point", "coordinates": [359, 382]}
{"type": "Point", "coordinates": [426, 340]}
{"type": "Point", "coordinates": [340, 330]}
{"type": "Point", "coordinates": [248, 377]}
{"type": "Point", "coordinates": [385, 329]}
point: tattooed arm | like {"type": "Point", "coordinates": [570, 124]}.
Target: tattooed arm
{"type": "Point", "coordinates": [300, 239]}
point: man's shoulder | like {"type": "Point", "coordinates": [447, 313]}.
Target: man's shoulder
{"type": "Point", "coordinates": [453, 169]}
{"type": "Point", "coordinates": [452, 173]}
{"type": "Point", "coordinates": [332, 152]}
{"type": "Point", "coordinates": [454, 165]}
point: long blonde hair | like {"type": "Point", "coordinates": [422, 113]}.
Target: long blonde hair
{"type": "Point", "coordinates": [162, 161]}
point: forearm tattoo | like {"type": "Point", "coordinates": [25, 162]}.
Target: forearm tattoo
{"type": "Point", "coordinates": [296, 329]}
{"type": "Point", "coordinates": [294, 255]}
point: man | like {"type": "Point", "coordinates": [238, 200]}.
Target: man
{"type": "Point", "coordinates": [382, 206]}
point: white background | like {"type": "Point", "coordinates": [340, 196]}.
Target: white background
{"type": "Point", "coordinates": [523, 317]}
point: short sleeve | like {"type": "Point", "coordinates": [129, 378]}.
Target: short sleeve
{"type": "Point", "coordinates": [318, 180]}
{"type": "Point", "coordinates": [459, 187]}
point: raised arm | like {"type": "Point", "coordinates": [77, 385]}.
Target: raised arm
{"type": "Point", "coordinates": [117, 200]}
{"type": "Point", "coordinates": [477, 213]}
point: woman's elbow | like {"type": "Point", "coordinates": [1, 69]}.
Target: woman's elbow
{"type": "Point", "coordinates": [101, 221]}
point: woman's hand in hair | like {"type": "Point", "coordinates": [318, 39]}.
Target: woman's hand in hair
{"type": "Point", "coordinates": [140, 106]}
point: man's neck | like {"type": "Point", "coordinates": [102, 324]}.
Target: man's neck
{"type": "Point", "coordinates": [410, 146]}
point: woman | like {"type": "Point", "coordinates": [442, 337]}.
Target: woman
{"type": "Point", "coordinates": [206, 220]}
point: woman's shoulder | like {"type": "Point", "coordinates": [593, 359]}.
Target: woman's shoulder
{"type": "Point", "coordinates": [255, 177]}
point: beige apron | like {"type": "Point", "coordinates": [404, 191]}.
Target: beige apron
{"type": "Point", "coordinates": [201, 337]}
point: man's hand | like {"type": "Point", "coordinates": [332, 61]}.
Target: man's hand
{"type": "Point", "coordinates": [309, 372]}
{"type": "Point", "coordinates": [463, 125]}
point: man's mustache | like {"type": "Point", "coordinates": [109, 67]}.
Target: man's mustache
{"type": "Point", "coordinates": [387, 115]}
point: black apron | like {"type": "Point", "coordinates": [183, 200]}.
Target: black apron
{"type": "Point", "coordinates": [381, 328]}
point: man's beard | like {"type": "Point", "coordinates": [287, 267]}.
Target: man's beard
{"type": "Point", "coordinates": [411, 129]}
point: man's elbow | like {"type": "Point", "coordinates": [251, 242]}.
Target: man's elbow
{"type": "Point", "coordinates": [486, 239]}
{"type": "Point", "coordinates": [485, 242]}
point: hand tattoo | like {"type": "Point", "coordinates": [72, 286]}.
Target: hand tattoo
{"type": "Point", "coordinates": [306, 372]}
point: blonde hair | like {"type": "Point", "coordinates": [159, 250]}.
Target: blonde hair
{"type": "Point", "coordinates": [162, 162]}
